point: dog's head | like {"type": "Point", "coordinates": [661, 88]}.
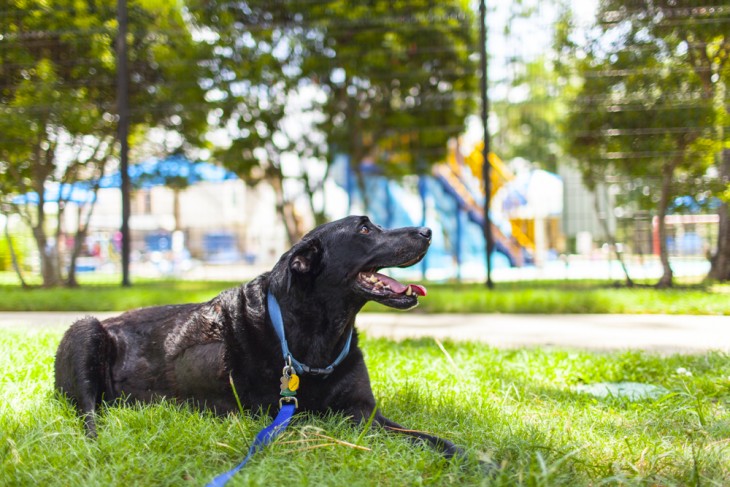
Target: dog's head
{"type": "Point", "coordinates": [341, 260]}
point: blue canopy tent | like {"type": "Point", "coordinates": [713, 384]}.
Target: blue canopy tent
{"type": "Point", "coordinates": [79, 193]}
{"type": "Point", "coordinates": [146, 174]}
{"type": "Point", "coordinates": [158, 172]}
{"type": "Point", "coordinates": [165, 172]}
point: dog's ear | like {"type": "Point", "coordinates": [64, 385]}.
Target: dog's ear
{"type": "Point", "coordinates": [300, 263]}
{"type": "Point", "coordinates": [305, 257]}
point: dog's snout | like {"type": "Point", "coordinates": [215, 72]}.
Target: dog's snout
{"type": "Point", "coordinates": [425, 232]}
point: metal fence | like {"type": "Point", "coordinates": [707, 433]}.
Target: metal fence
{"type": "Point", "coordinates": [538, 85]}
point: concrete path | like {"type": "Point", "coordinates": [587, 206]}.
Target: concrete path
{"type": "Point", "coordinates": [656, 333]}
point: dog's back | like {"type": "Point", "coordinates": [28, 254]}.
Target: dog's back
{"type": "Point", "coordinates": [127, 355]}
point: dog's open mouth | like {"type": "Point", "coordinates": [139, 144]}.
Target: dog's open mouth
{"type": "Point", "coordinates": [380, 284]}
{"type": "Point", "coordinates": [389, 291]}
{"type": "Point", "coordinates": [386, 290]}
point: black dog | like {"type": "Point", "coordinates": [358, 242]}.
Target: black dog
{"type": "Point", "coordinates": [188, 352]}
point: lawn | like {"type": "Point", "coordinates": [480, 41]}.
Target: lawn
{"type": "Point", "coordinates": [508, 297]}
{"type": "Point", "coordinates": [519, 408]}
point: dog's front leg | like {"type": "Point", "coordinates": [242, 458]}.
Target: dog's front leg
{"type": "Point", "coordinates": [446, 447]}
{"type": "Point", "coordinates": [363, 413]}
{"type": "Point", "coordinates": [353, 396]}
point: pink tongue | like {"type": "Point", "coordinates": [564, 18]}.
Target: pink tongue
{"type": "Point", "coordinates": [394, 285]}
{"type": "Point", "coordinates": [400, 288]}
{"type": "Point", "coordinates": [418, 289]}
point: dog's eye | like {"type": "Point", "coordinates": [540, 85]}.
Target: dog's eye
{"type": "Point", "coordinates": [364, 230]}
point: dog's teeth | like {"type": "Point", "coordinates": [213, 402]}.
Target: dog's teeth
{"type": "Point", "coordinates": [373, 279]}
{"type": "Point", "coordinates": [409, 291]}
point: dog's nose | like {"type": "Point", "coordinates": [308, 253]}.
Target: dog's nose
{"type": "Point", "coordinates": [425, 232]}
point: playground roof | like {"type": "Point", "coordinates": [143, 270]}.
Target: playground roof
{"type": "Point", "coordinates": [55, 192]}
{"type": "Point", "coordinates": [146, 174]}
{"type": "Point", "coordinates": [159, 172]}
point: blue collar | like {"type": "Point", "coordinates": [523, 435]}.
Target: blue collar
{"type": "Point", "coordinates": [300, 368]}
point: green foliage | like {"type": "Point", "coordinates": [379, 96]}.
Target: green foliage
{"type": "Point", "coordinates": [650, 78]}
{"type": "Point", "coordinates": [388, 82]}
{"type": "Point", "coordinates": [60, 75]}
{"type": "Point", "coordinates": [530, 128]}
{"type": "Point", "coordinates": [6, 262]}
{"type": "Point", "coordinates": [395, 95]}
{"type": "Point", "coordinates": [519, 408]}
{"type": "Point", "coordinates": [639, 109]}
{"type": "Point", "coordinates": [384, 87]}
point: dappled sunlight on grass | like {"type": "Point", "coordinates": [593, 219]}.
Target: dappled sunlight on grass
{"type": "Point", "coordinates": [518, 408]}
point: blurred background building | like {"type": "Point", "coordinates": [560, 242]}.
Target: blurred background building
{"type": "Point", "coordinates": [253, 123]}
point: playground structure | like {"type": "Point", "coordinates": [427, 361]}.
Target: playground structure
{"type": "Point", "coordinates": [526, 203]}
{"type": "Point", "coordinates": [461, 177]}
{"type": "Point", "coordinates": [524, 212]}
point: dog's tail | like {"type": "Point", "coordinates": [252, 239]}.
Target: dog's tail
{"type": "Point", "coordinates": [82, 367]}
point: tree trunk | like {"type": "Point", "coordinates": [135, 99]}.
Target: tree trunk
{"type": "Point", "coordinates": [59, 249]}
{"type": "Point", "coordinates": [319, 215]}
{"type": "Point", "coordinates": [666, 192]}
{"type": "Point", "coordinates": [357, 153]}
{"type": "Point", "coordinates": [42, 169]}
{"type": "Point", "coordinates": [82, 227]}
{"type": "Point", "coordinates": [611, 239]}
{"type": "Point", "coordinates": [49, 262]}
{"type": "Point", "coordinates": [284, 207]}
{"type": "Point", "coordinates": [720, 268]}
{"type": "Point", "coordinates": [81, 232]}
{"type": "Point", "coordinates": [78, 244]}
{"type": "Point", "coordinates": [13, 255]}
{"type": "Point", "coordinates": [361, 184]}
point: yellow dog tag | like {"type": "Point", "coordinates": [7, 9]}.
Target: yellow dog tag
{"type": "Point", "coordinates": [293, 382]}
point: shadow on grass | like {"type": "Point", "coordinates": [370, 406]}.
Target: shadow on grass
{"type": "Point", "coordinates": [515, 407]}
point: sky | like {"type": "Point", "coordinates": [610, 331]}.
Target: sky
{"type": "Point", "coordinates": [527, 39]}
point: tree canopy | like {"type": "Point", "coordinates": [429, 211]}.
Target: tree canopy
{"type": "Point", "coordinates": [382, 81]}
{"type": "Point", "coordinates": [645, 110]}
{"type": "Point", "coordinates": [58, 98]}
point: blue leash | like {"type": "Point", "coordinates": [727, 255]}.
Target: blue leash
{"type": "Point", "coordinates": [288, 404]}
{"type": "Point", "coordinates": [265, 436]}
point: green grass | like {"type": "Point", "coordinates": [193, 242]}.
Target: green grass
{"type": "Point", "coordinates": [518, 408]}
{"type": "Point", "coordinates": [554, 297]}
{"type": "Point", "coordinates": [109, 297]}
{"type": "Point", "coordinates": [509, 297]}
